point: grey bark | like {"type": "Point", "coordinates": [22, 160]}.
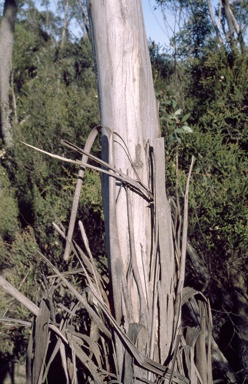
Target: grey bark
{"type": "Point", "coordinates": [7, 27]}
{"type": "Point", "coordinates": [65, 26]}
{"type": "Point", "coordinates": [233, 26]}
{"type": "Point", "coordinates": [216, 28]}
{"type": "Point", "coordinates": [128, 107]}
{"type": "Point", "coordinates": [130, 131]}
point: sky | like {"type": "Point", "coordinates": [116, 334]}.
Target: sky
{"type": "Point", "coordinates": [154, 23]}
{"type": "Point", "coordinates": [156, 28]}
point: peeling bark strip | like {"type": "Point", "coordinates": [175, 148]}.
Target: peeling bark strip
{"type": "Point", "coordinates": [7, 27]}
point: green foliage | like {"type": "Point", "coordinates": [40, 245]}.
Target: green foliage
{"type": "Point", "coordinates": [162, 66]}
{"type": "Point", "coordinates": [56, 99]}
{"type": "Point", "coordinates": [219, 80]}
{"type": "Point", "coordinates": [91, 192]}
{"type": "Point", "coordinates": [220, 144]}
{"type": "Point", "coordinates": [213, 98]}
{"type": "Point", "coordinates": [203, 109]}
{"type": "Point", "coordinates": [194, 27]}
{"type": "Point", "coordinates": [174, 125]}
{"type": "Point", "coordinates": [22, 269]}
{"type": "Point", "coordinates": [8, 208]}
{"type": "Point", "coordinates": [53, 96]}
{"type": "Point", "coordinates": [29, 48]}
{"type": "Point", "coordinates": [216, 97]}
{"type": "Point", "coordinates": [218, 201]}
{"type": "Point", "coordinates": [202, 25]}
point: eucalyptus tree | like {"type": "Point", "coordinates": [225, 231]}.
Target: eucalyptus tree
{"type": "Point", "coordinates": [199, 22]}
{"type": "Point", "coordinates": [7, 26]}
{"type": "Point", "coordinates": [146, 272]}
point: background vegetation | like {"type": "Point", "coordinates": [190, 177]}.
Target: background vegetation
{"type": "Point", "coordinates": [202, 91]}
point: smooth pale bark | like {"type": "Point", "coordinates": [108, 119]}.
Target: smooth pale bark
{"type": "Point", "coordinates": [216, 28]}
{"type": "Point", "coordinates": [7, 27]}
{"type": "Point", "coordinates": [128, 107]}
{"type": "Point", "coordinates": [233, 26]}
{"type": "Point", "coordinates": [65, 26]}
{"type": "Point", "coordinates": [139, 240]}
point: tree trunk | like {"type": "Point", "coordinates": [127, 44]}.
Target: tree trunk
{"type": "Point", "coordinates": [146, 275]}
{"type": "Point", "coordinates": [233, 27]}
{"type": "Point", "coordinates": [65, 26]}
{"type": "Point", "coordinates": [240, 320]}
{"type": "Point", "coordinates": [6, 45]}
{"type": "Point", "coordinates": [141, 261]}
{"type": "Point", "coordinates": [216, 28]}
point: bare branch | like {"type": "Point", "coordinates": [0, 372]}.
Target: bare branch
{"type": "Point", "coordinates": [214, 22]}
